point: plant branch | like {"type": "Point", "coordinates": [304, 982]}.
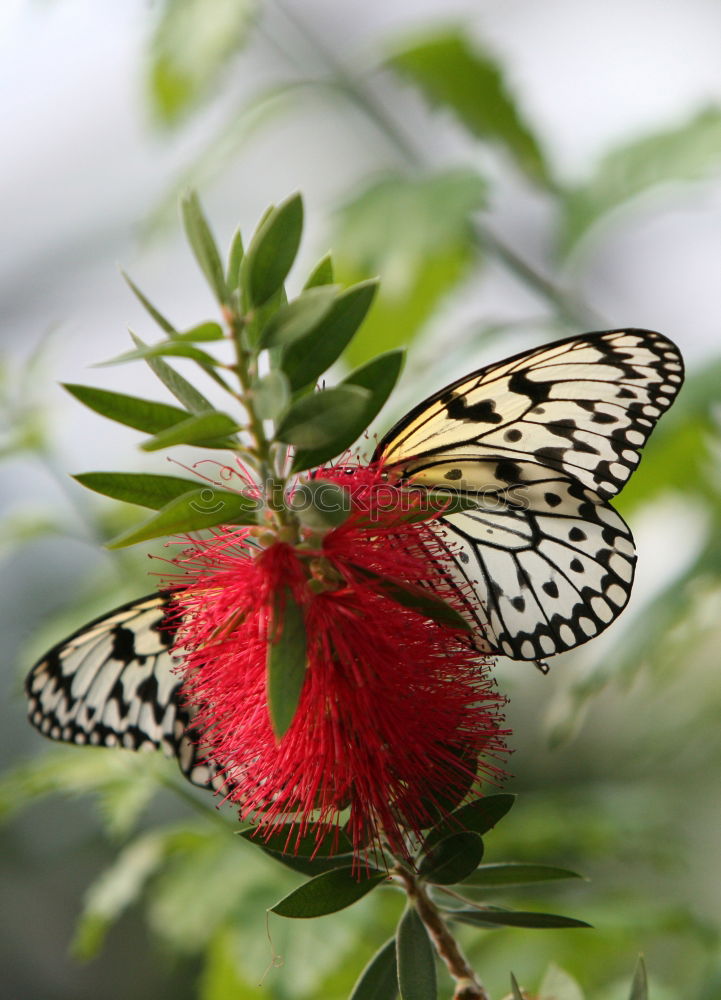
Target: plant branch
{"type": "Point", "coordinates": [468, 985]}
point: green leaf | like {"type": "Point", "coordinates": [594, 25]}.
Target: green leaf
{"type": "Point", "coordinates": [416, 599]}
{"type": "Point", "coordinates": [379, 979]}
{"type": "Point", "coordinates": [306, 360]}
{"type": "Point", "coordinates": [191, 46]}
{"type": "Point", "coordinates": [298, 318]}
{"type": "Point", "coordinates": [322, 273]}
{"type": "Point", "coordinates": [320, 504]}
{"type": "Point", "coordinates": [305, 854]}
{"type": "Point", "coordinates": [186, 393]}
{"type": "Point", "coordinates": [452, 859]}
{"type": "Point", "coordinates": [478, 816]}
{"type": "Point", "coordinates": [488, 916]}
{"type": "Point", "coordinates": [235, 259]}
{"type": "Point", "coordinates": [272, 250]}
{"type": "Point", "coordinates": [417, 233]}
{"type": "Point", "coordinates": [415, 958]}
{"type": "Point", "coordinates": [319, 419]}
{"type": "Point", "coordinates": [271, 395]}
{"type": "Point", "coordinates": [515, 989]}
{"type": "Point", "coordinates": [515, 873]}
{"type": "Point", "coordinates": [683, 154]}
{"type": "Point", "coordinates": [201, 332]}
{"type": "Point", "coordinates": [203, 245]}
{"type": "Point", "coordinates": [193, 511]}
{"type": "Point", "coordinates": [379, 377]}
{"type": "Point", "coordinates": [455, 75]}
{"type": "Point", "coordinates": [138, 488]}
{"type": "Point", "coordinates": [209, 429]}
{"type": "Point", "coordinates": [165, 348]}
{"type": "Point", "coordinates": [639, 987]}
{"type": "Point", "coordinates": [142, 414]}
{"type": "Point", "coordinates": [327, 893]}
{"type": "Point", "coordinates": [286, 661]}
{"type": "Point", "coordinates": [557, 984]}
{"type": "Point", "coordinates": [162, 322]}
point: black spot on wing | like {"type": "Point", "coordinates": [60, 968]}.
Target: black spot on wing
{"type": "Point", "coordinates": [458, 408]}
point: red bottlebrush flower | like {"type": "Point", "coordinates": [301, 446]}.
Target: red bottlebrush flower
{"type": "Point", "coordinates": [397, 714]}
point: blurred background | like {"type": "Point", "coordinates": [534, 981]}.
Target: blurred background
{"type": "Point", "coordinates": [514, 172]}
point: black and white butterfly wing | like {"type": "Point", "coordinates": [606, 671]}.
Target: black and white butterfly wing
{"type": "Point", "coordinates": [583, 405]}
{"type": "Point", "coordinates": [112, 684]}
{"type": "Point", "coordinates": [551, 563]}
{"type": "Point", "coordinates": [540, 441]}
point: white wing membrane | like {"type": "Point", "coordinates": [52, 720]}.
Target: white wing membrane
{"type": "Point", "coordinates": [541, 441]}
{"type": "Point", "coordinates": [112, 684]}
{"type": "Point", "coordinates": [547, 578]}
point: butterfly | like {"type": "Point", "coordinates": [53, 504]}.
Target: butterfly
{"type": "Point", "coordinates": [538, 442]}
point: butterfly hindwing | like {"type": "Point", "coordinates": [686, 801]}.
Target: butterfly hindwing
{"type": "Point", "coordinates": [112, 684]}
{"type": "Point", "coordinates": [540, 442]}
{"type": "Point", "coordinates": [584, 406]}
{"type": "Point", "coordinates": [550, 562]}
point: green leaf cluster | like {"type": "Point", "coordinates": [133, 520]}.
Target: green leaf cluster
{"type": "Point", "coordinates": [281, 348]}
{"type": "Point", "coordinates": [447, 869]}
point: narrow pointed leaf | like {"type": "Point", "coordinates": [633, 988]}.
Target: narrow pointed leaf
{"type": "Point", "coordinates": [319, 419]}
{"type": "Point", "coordinates": [203, 245]}
{"type": "Point", "coordinates": [298, 318]}
{"type": "Point", "coordinates": [200, 428]}
{"type": "Point", "coordinates": [138, 488]}
{"type": "Point", "coordinates": [418, 600]}
{"type": "Point", "coordinates": [286, 662]}
{"type": "Point", "coordinates": [415, 958]}
{"type": "Point", "coordinates": [322, 273]}
{"type": "Point", "coordinates": [379, 979]}
{"type": "Point", "coordinates": [515, 989]}
{"type": "Point", "coordinates": [272, 250]}
{"type": "Point", "coordinates": [639, 987]}
{"type": "Point", "coordinates": [201, 332]}
{"type": "Point", "coordinates": [166, 348]}
{"type": "Point", "coordinates": [271, 395]}
{"type": "Point", "coordinates": [515, 873]}
{"type": "Point", "coordinates": [458, 76]}
{"type": "Point", "coordinates": [478, 816]}
{"type": "Point", "coordinates": [142, 414]}
{"type": "Point", "coordinates": [304, 854]}
{"type": "Point", "coordinates": [162, 322]}
{"type": "Point", "coordinates": [378, 377]}
{"type": "Point", "coordinates": [496, 917]}
{"type": "Point", "coordinates": [286, 840]}
{"type": "Point", "coordinates": [452, 859]}
{"type": "Point", "coordinates": [327, 893]}
{"type": "Point", "coordinates": [682, 154]}
{"type": "Point", "coordinates": [305, 361]}
{"type": "Point", "coordinates": [193, 511]}
{"type": "Point", "coordinates": [235, 259]}
{"type": "Point", "coordinates": [186, 393]}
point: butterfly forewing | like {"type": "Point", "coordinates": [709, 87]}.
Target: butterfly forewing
{"type": "Point", "coordinates": [112, 684]}
{"type": "Point", "coordinates": [584, 406]}
{"type": "Point", "coordinates": [540, 441]}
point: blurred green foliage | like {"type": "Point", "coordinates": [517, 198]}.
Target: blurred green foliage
{"type": "Point", "coordinates": [629, 805]}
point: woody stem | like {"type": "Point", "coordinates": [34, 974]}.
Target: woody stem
{"type": "Point", "coordinates": [467, 984]}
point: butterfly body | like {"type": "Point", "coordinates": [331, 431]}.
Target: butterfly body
{"type": "Point", "coordinates": [539, 442]}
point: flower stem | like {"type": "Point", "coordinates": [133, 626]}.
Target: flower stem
{"type": "Point", "coordinates": [468, 985]}
{"type": "Point", "coordinates": [272, 484]}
